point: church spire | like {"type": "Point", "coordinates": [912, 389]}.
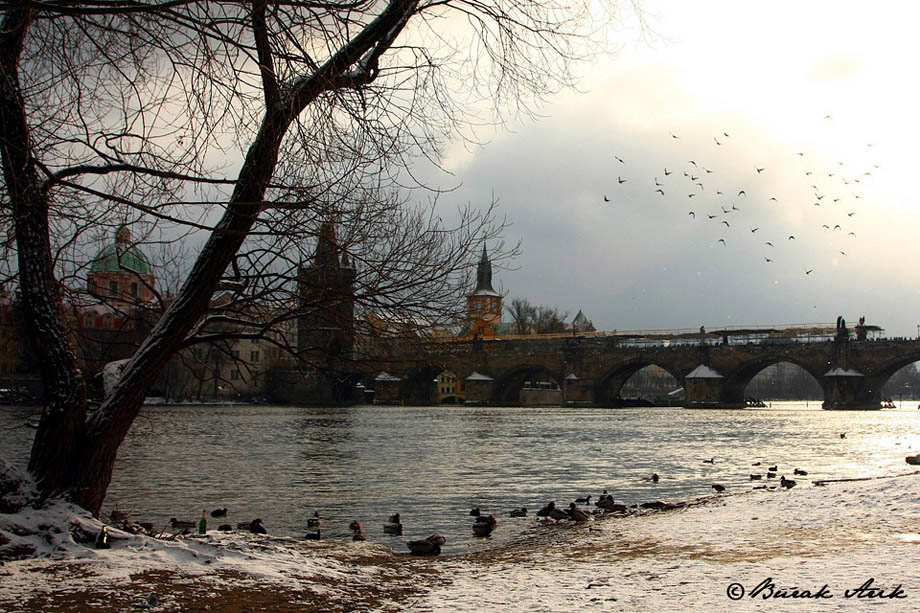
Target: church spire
{"type": "Point", "coordinates": [484, 273]}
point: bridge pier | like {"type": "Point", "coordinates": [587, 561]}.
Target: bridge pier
{"type": "Point", "coordinates": [850, 390]}
{"type": "Point", "coordinates": [704, 388]}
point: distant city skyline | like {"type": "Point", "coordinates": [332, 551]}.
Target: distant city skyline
{"type": "Point", "coordinates": [787, 108]}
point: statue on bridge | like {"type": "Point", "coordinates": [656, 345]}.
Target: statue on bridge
{"type": "Point", "coordinates": [842, 332]}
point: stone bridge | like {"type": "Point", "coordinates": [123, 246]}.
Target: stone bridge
{"type": "Point", "coordinates": [592, 371]}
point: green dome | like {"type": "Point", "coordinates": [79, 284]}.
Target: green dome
{"type": "Point", "coordinates": [121, 257]}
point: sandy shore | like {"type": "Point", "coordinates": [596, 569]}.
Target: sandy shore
{"type": "Point", "coordinates": [850, 544]}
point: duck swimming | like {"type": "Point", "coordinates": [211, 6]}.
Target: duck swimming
{"type": "Point", "coordinates": [522, 512]}
{"type": "Point", "coordinates": [430, 546]}
{"type": "Point", "coordinates": [484, 525]}
{"type": "Point", "coordinates": [315, 521]}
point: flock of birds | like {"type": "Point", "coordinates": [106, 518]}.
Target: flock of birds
{"type": "Point", "coordinates": [717, 197]}
{"type": "Point", "coordinates": [483, 525]}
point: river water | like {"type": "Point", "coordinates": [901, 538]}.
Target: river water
{"type": "Point", "coordinates": [433, 464]}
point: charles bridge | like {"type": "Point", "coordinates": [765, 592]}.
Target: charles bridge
{"type": "Point", "coordinates": [713, 368]}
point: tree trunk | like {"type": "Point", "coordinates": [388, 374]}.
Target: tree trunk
{"type": "Point", "coordinates": [61, 424]}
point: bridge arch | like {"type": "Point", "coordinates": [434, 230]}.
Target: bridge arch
{"type": "Point", "coordinates": [736, 382]}
{"type": "Point", "coordinates": [608, 386]}
{"type": "Point", "coordinates": [508, 387]}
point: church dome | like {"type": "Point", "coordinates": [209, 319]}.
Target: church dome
{"type": "Point", "coordinates": [121, 256]}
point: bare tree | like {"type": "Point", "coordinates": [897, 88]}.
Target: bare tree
{"type": "Point", "coordinates": [548, 320]}
{"type": "Point", "coordinates": [522, 315]}
{"type": "Point", "coordinates": [239, 129]}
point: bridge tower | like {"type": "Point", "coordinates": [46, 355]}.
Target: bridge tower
{"type": "Point", "coordinates": [484, 305]}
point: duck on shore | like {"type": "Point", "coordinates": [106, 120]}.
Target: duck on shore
{"type": "Point", "coordinates": [545, 511]}
{"type": "Point", "coordinates": [577, 514]}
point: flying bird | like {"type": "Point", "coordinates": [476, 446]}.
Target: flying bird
{"type": "Point", "coordinates": [742, 193]}
{"type": "Point", "coordinates": [621, 180]}
{"type": "Point", "coordinates": [759, 170]}
{"type": "Point", "coordinates": [851, 214]}
{"type": "Point", "coordinates": [694, 163]}
{"type": "Point", "coordinates": [768, 259]}
{"type": "Point", "coordinates": [619, 160]}
{"type": "Point", "coordinates": [657, 184]}
{"type": "Point", "coordinates": [666, 172]}
{"type": "Point", "coordinates": [673, 135]}
{"type": "Point", "coordinates": [843, 253]}
{"type": "Point", "coordinates": [717, 140]}
{"type": "Point", "coordinates": [606, 199]}
{"type": "Point", "coordinates": [660, 191]}
{"type": "Point", "coordinates": [726, 224]}
{"type": "Point", "coordinates": [773, 198]}
{"type": "Point", "coordinates": [837, 227]}
{"type": "Point", "coordinates": [690, 195]}
{"type": "Point", "coordinates": [711, 216]}
{"type": "Point", "coordinates": [808, 272]}
{"type": "Point", "coordinates": [754, 230]}
{"type": "Point", "coordinates": [692, 214]}
{"type": "Point", "coordinates": [722, 240]}
{"type": "Point", "coordinates": [852, 234]}
{"type": "Point", "coordinates": [791, 237]}
{"type": "Point", "coordinates": [768, 243]}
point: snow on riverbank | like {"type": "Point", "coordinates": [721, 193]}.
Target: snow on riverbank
{"type": "Point", "coordinates": [839, 536]}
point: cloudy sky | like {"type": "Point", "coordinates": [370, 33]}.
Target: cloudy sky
{"type": "Point", "coordinates": [806, 107]}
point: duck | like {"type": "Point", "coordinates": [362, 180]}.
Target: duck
{"type": "Point", "coordinates": [771, 475]}
{"type": "Point", "coordinates": [558, 514]}
{"type": "Point", "coordinates": [756, 477]}
{"type": "Point", "coordinates": [655, 477]}
{"type": "Point", "coordinates": [786, 483]}
{"type": "Point", "coordinates": [219, 512]}
{"type": "Point", "coordinates": [718, 488]}
{"type": "Point", "coordinates": [430, 546]}
{"type": "Point", "coordinates": [484, 525]}
{"type": "Point", "coordinates": [310, 536]}
{"type": "Point", "coordinates": [178, 524]}
{"type": "Point", "coordinates": [772, 469]}
{"type": "Point", "coordinates": [522, 512]}
{"type": "Point", "coordinates": [357, 532]}
{"type": "Point", "coordinates": [393, 529]}
{"type": "Point", "coordinates": [586, 500]}
{"type": "Point", "coordinates": [394, 518]}
{"type": "Point", "coordinates": [315, 521]}
{"type": "Point", "coordinates": [545, 511]}
{"type": "Point", "coordinates": [577, 514]}
{"type": "Point", "coordinates": [257, 527]}
{"type": "Point", "coordinates": [799, 471]}
{"type": "Point", "coordinates": [475, 512]}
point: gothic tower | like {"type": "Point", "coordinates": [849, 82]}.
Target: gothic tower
{"type": "Point", "coordinates": [326, 325]}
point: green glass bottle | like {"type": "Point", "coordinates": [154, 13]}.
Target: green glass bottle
{"type": "Point", "coordinates": [203, 524]}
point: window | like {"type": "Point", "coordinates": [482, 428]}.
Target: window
{"type": "Point", "coordinates": [253, 356]}
{"type": "Point", "coordinates": [235, 375]}
{"type": "Point", "coordinates": [113, 288]}
{"type": "Point", "coordinates": [108, 322]}
{"type": "Point", "coordinates": [236, 354]}
{"type": "Point", "coordinates": [88, 321]}
{"type": "Point", "coordinates": [134, 288]}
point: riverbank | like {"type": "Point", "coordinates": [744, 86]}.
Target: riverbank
{"type": "Point", "coordinates": [828, 541]}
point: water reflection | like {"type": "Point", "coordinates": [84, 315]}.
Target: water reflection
{"type": "Point", "coordinates": [433, 464]}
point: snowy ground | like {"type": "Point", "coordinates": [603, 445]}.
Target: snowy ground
{"type": "Point", "coordinates": [840, 536]}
